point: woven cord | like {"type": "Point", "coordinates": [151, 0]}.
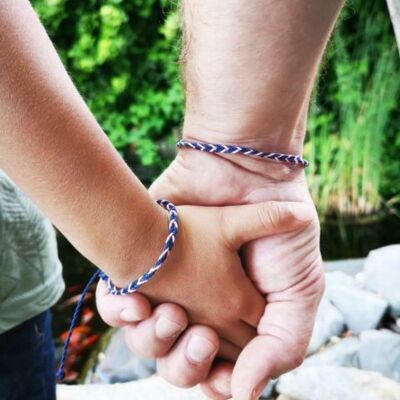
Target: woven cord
{"type": "Point", "coordinates": [168, 245]}
{"type": "Point", "coordinates": [246, 151]}
{"type": "Point", "coordinates": [131, 288]}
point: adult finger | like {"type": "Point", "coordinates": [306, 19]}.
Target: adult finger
{"type": "Point", "coordinates": [283, 336]}
{"type": "Point", "coordinates": [242, 224]}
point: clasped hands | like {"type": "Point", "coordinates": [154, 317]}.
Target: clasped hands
{"type": "Point", "coordinates": [234, 305]}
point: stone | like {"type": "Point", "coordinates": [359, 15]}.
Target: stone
{"type": "Point", "coordinates": [119, 364]}
{"type": "Point", "coordinates": [361, 309]}
{"type": "Point", "coordinates": [329, 322]}
{"type": "Point", "coordinates": [380, 351]}
{"type": "Point", "coordinates": [337, 383]}
{"type": "Point", "coordinates": [382, 275]}
{"type": "Point", "coordinates": [154, 388]}
{"type": "Point", "coordinates": [344, 353]}
{"type": "Point", "coordinates": [269, 390]}
{"type": "Point", "coordinates": [350, 267]}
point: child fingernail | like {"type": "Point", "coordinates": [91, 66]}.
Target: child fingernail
{"type": "Point", "coordinates": [166, 329]}
{"type": "Point", "coordinates": [199, 349]}
{"type": "Point", "coordinates": [128, 315]}
{"type": "Point", "coordinates": [223, 386]}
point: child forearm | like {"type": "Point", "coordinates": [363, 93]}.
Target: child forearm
{"type": "Point", "coordinates": [53, 148]}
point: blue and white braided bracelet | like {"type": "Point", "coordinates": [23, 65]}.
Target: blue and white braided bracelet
{"type": "Point", "coordinates": [168, 245]}
{"type": "Point", "coordinates": [132, 287]}
{"type": "Point", "coordinates": [246, 151]}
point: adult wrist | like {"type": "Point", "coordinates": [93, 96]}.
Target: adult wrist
{"type": "Point", "coordinates": [282, 134]}
{"type": "Point", "coordinates": [267, 168]}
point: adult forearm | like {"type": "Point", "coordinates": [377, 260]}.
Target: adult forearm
{"type": "Point", "coordinates": [250, 67]}
{"type": "Point", "coordinates": [53, 148]}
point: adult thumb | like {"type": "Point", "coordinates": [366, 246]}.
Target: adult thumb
{"type": "Point", "coordinates": [242, 224]}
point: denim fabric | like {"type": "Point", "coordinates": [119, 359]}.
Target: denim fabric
{"type": "Point", "coordinates": [27, 361]}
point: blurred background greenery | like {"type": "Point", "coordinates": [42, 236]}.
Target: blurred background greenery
{"type": "Point", "coordinates": [123, 55]}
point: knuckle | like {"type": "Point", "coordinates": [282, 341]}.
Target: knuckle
{"type": "Point", "coordinates": [133, 342]}
{"type": "Point", "coordinates": [236, 306]}
{"type": "Point", "coordinates": [289, 348]}
{"type": "Point", "coordinates": [297, 360]}
{"type": "Point", "coordinates": [316, 282]}
{"type": "Point", "coordinates": [176, 376]}
{"type": "Point", "coordinates": [269, 215]}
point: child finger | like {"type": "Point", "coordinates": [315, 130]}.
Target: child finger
{"type": "Point", "coordinates": [190, 360]}
{"type": "Point", "coordinates": [118, 311]}
{"type": "Point", "coordinates": [155, 336]}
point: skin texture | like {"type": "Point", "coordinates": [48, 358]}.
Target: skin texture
{"type": "Point", "coordinates": [248, 70]}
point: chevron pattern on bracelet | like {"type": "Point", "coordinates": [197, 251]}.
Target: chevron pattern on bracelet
{"type": "Point", "coordinates": [246, 151]}
{"type": "Point", "coordinates": [168, 245]}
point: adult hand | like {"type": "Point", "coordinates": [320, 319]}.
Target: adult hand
{"type": "Point", "coordinates": [286, 268]}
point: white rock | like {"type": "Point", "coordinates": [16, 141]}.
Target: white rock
{"type": "Point", "coordinates": [329, 322]}
{"type": "Point", "coordinates": [380, 351]}
{"type": "Point", "coordinates": [361, 309]}
{"type": "Point", "coordinates": [382, 274]}
{"type": "Point", "coordinates": [350, 266]}
{"type": "Point", "coordinates": [344, 354]}
{"type": "Point", "coordinates": [119, 364]}
{"type": "Point", "coordinates": [147, 389]}
{"type": "Point", "coordinates": [337, 383]}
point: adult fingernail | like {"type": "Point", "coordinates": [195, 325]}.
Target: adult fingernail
{"type": "Point", "coordinates": [129, 315]}
{"type": "Point", "coordinates": [258, 390]}
{"type": "Point", "coordinates": [166, 329]}
{"type": "Point", "coordinates": [199, 349]}
{"type": "Point", "coordinates": [223, 386]}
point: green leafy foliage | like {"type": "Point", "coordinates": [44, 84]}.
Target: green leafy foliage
{"type": "Point", "coordinates": [123, 57]}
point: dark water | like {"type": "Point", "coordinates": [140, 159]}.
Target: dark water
{"type": "Point", "coordinates": [341, 240]}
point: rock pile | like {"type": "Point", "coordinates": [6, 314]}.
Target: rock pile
{"type": "Point", "coordinates": [355, 347]}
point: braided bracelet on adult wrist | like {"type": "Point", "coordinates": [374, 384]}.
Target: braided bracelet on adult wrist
{"type": "Point", "coordinates": [246, 151]}
{"type": "Point", "coordinates": [131, 287]}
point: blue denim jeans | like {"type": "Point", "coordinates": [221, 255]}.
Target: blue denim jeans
{"type": "Point", "coordinates": [27, 361]}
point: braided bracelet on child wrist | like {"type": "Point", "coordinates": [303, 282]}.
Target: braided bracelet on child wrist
{"type": "Point", "coordinates": [168, 245]}
{"type": "Point", "coordinates": [132, 287]}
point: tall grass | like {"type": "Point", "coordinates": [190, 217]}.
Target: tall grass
{"type": "Point", "coordinates": [348, 120]}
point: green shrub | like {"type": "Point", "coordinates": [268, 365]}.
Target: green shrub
{"type": "Point", "coordinates": [122, 55]}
